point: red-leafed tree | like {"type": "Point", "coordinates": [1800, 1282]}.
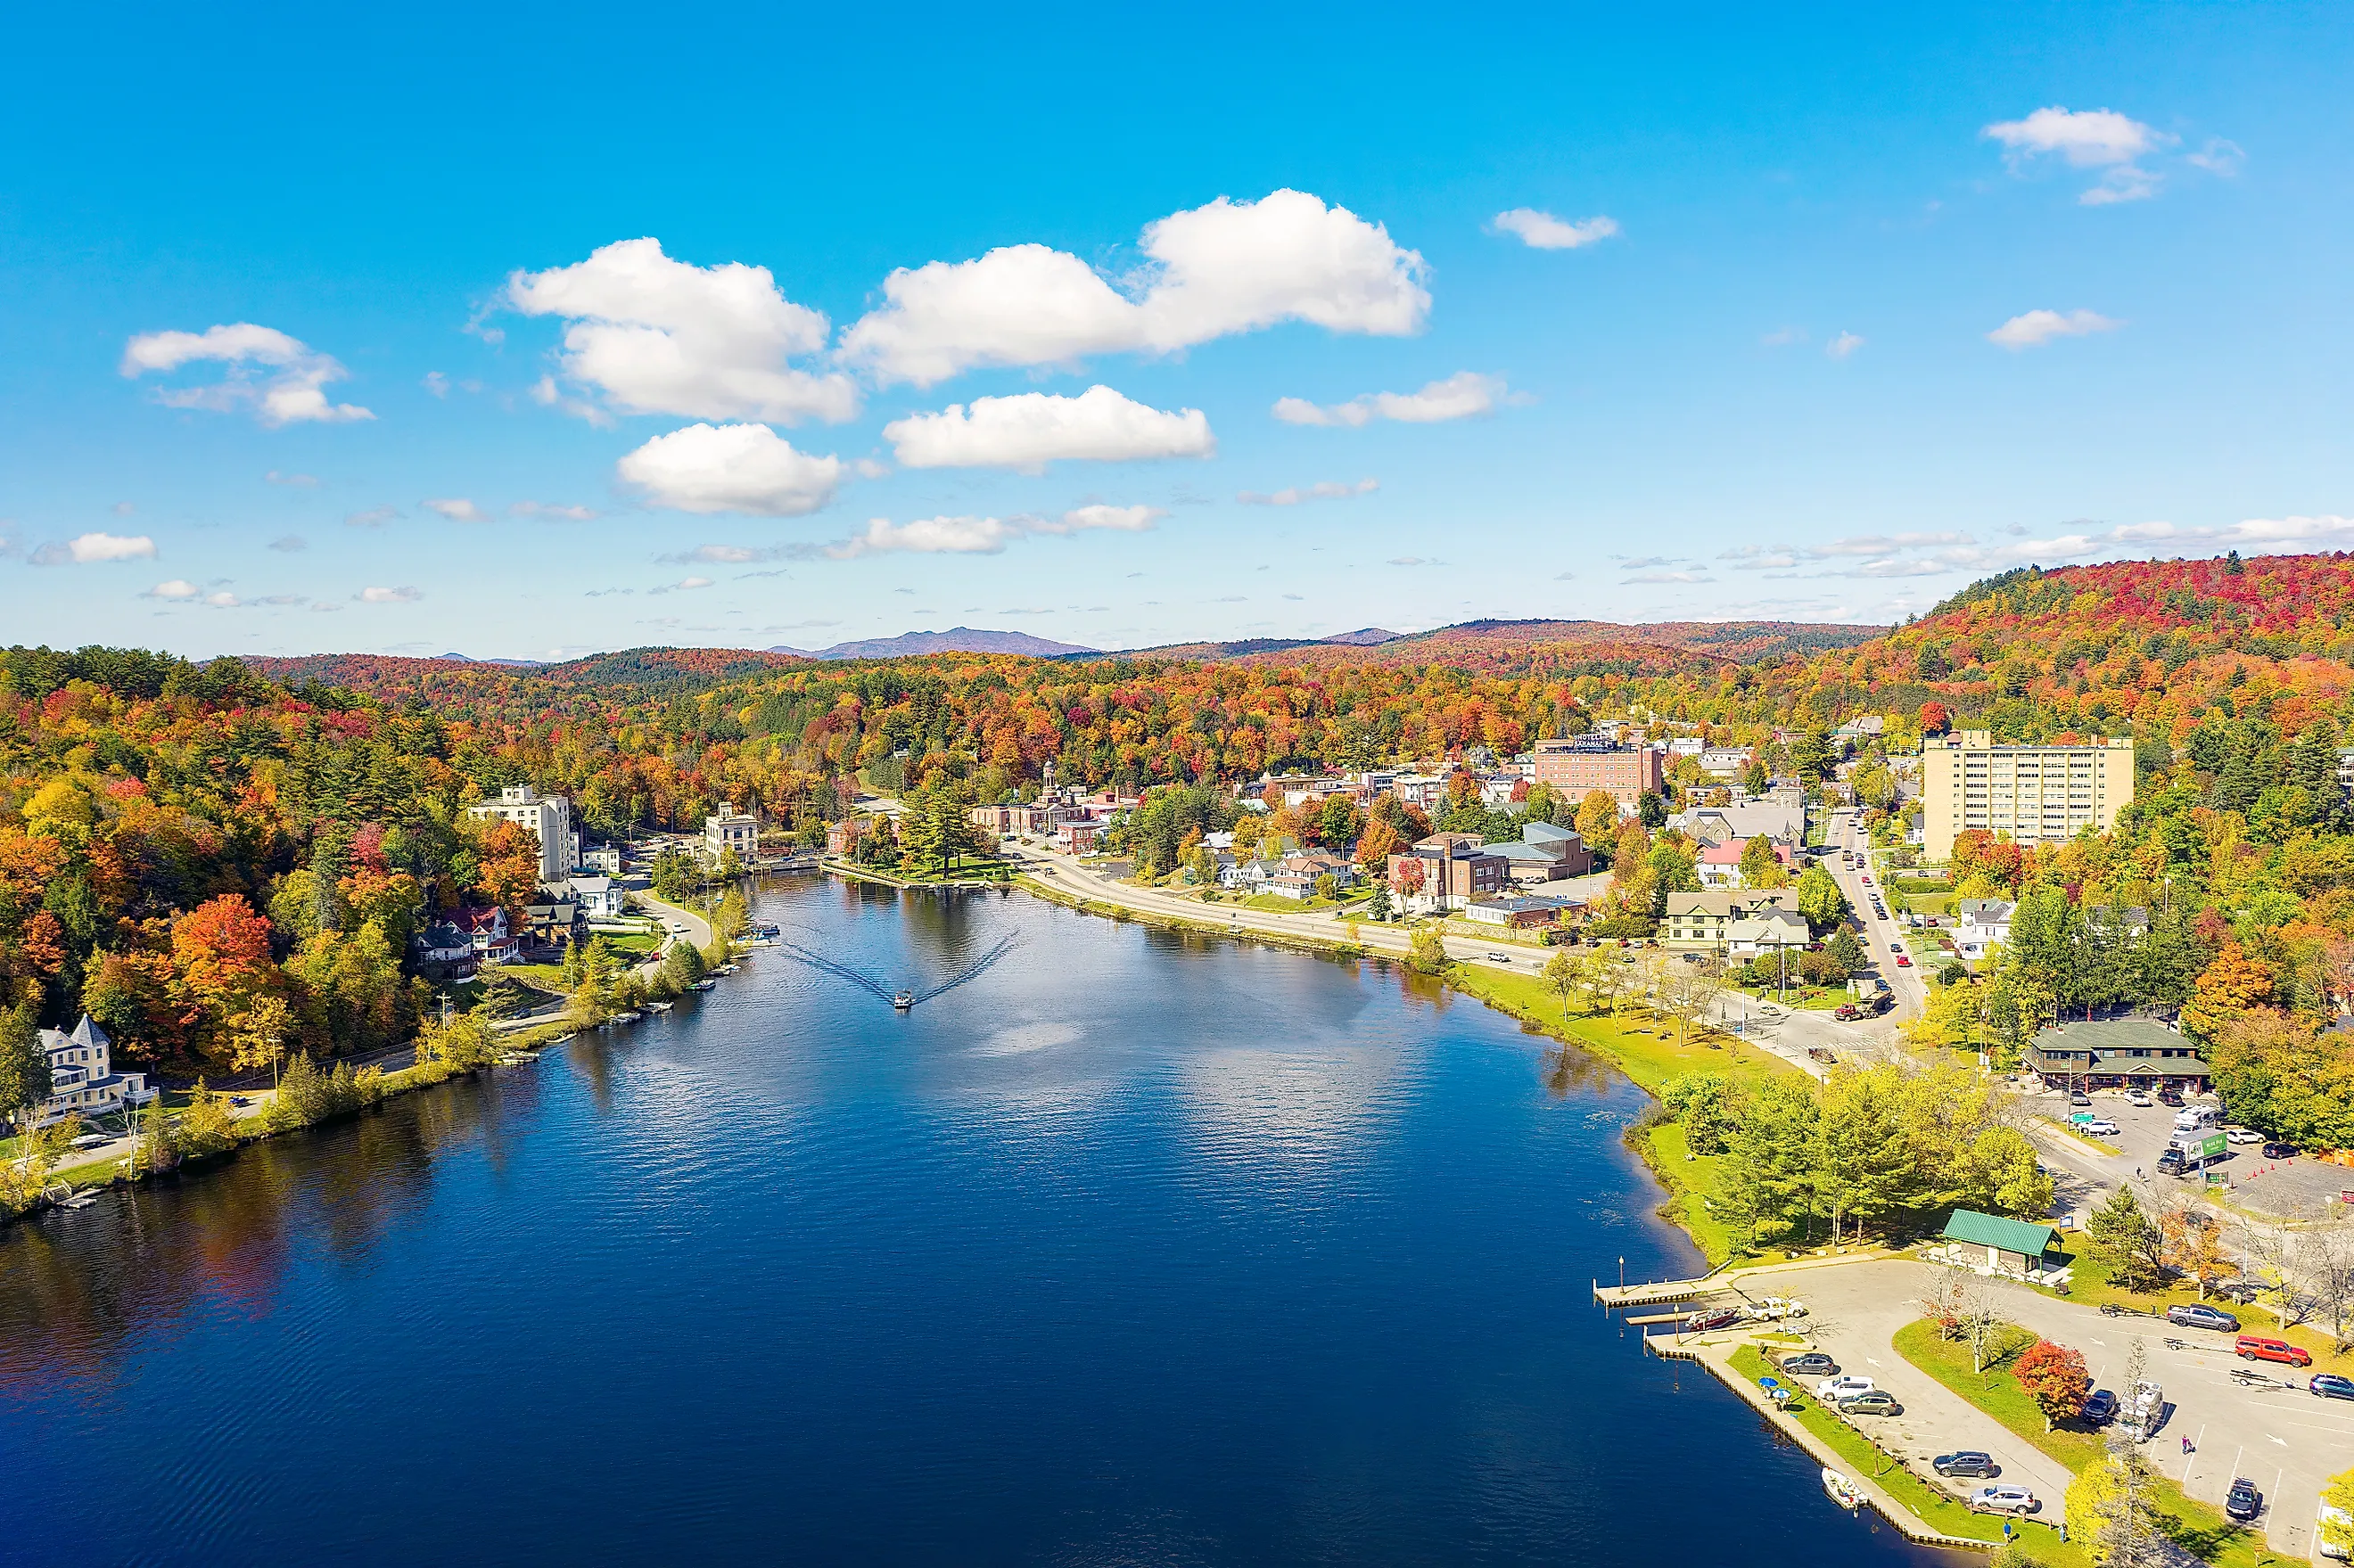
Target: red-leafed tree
{"type": "Point", "coordinates": [2054, 1377]}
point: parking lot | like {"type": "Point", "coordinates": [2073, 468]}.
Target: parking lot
{"type": "Point", "coordinates": [2284, 1439]}
{"type": "Point", "coordinates": [2274, 1186]}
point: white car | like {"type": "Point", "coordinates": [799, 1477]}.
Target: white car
{"type": "Point", "coordinates": [2003, 1499]}
{"type": "Point", "coordinates": [2241, 1134]}
{"type": "Point", "coordinates": [2099, 1127]}
{"type": "Point", "coordinates": [1847, 1385]}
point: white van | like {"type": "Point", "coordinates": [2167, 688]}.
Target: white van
{"type": "Point", "coordinates": [2190, 1118]}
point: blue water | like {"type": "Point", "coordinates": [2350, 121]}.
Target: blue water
{"type": "Point", "coordinates": [1137, 1249]}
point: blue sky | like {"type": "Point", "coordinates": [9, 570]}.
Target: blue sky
{"type": "Point", "coordinates": [332, 333]}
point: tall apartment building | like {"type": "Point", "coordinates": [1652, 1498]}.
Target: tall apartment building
{"type": "Point", "coordinates": [549, 816]}
{"type": "Point", "coordinates": [2032, 794]}
{"type": "Point", "coordinates": [1577, 768]}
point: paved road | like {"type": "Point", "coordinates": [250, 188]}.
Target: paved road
{"type": "Point", "coordinates": [1905, 983]}
{"type": "Point", "coordinates": [2284, 1440]}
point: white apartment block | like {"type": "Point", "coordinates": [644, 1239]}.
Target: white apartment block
{"type": "Point", "coordinates": [2032, 794]}
{"type": "Point", "coordinates": [730, 829]}
{"type": "Point", "coordinates": [549, 816]}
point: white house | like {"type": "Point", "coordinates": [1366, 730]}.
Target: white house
{"type": "Point", "coordinates": [549, 816]}
{"type": "Point", "coordinates": [600, 896]}
{"type": "Point", "coordinates": [83, 1079]}
{"type": "Point", "coordinates": [1980, 924]}
{"type": "Point", "coordinates": [1766, 930]}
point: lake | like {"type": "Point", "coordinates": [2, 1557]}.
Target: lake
{"type": "Point", "coordinates": [1136, 1248]}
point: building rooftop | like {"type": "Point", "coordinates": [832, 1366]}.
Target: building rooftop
{"type": "Point", "coordinates": [2024, 1236]}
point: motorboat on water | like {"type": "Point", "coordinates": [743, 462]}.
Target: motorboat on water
{"type": "Point", "coordinates": [1841, 1490]}
{"type": "Point", "coordinates": [659, 1006]}
{"type": "Point", "coordinates": [904, 1000]}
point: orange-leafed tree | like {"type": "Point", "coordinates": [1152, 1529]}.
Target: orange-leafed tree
{"type": "Point", "coordinates": [2228, 986]}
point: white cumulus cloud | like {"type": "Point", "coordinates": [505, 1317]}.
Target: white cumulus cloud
{"type": "Point", "coordinates": [88, 548]}
{"type": "Point", "coordinates": [1292, 495]}
{"type": "Point", "coordinates": [2038, 327]}
{"type": "Point", "coordinates": [1844, 345]}
{"type": "Point", "coordinates": [178, 588]}
{"type": "Point", "coordinates": [654, 335]}
{"type": "Point", "coordinates": [280, 377]}
{"type": "Point", "coordinates": [458, 510]}
{"type": "Point", "coordinates": [1031, 430]}
{"type": "Point", "coordinates": [387, 596]}
{"type": "Point", "coordinates": [1543, 231]}
{"type": "Point", "coordinates": [1459, 396]}
{"type": "Point", "coordinates": [2087, 139]}
{"type": "Point", "coordinates": [1228, 267]}
{"type": "Point", "coordinates": [730, 468]}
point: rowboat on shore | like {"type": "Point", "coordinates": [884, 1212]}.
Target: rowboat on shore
{"type": "Point", "coordinates": [1841, 1490]}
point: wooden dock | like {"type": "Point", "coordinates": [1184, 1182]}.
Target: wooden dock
{"type": "Point", "coordinates": [1659, 1293]}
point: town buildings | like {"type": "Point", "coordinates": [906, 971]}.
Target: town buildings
{"type": "Point", "coordinates": [1577, 768]}
{"type": "Point", "coordinates": [1739, 922]}
{"type": "Point", "coordinates": [2116, 1053]}
{"type": "Point", "coordinates": [1448, 872]}
{"type": "Point", "coordinates": [549, 816]}
{"type": "Point", "coordinates": [83, 1079]}
{"type": "Point", "coordinates": [2032, 794]}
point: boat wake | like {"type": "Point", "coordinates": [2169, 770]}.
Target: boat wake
{"type": "Point", "coordinates": [900, 998]}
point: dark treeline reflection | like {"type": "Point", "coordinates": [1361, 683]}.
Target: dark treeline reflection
{"type": "Point", "coordinates": [76, 1286]}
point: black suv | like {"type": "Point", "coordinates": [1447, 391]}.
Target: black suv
{"type": "Point", "coordinates": [2100, 1409]}
{"type": "Point", "coordinates": [1968, 1462]}
{"type": "Point", "coordinates": [2244, 1502]}
{"type": "Point", "coordinates": [1813, 1364]}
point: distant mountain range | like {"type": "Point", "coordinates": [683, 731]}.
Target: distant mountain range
{"type": "Point", "coordinates": [955, 640]}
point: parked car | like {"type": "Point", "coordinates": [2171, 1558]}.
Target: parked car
{"type": "Point", "coordinates": [2198, 1315]}
{"type": "Point", "coordinates": [2079, 1098]}
{"type": "Point", "coordinates": [2100, 1408]}
{"type": "Point", "coordinates": [2004, 1499]}
{"type": "Point", "coordinates": [2139, 1099]}
{"type": "Point", "coordinates": [2262, 1348]}
{"type": "Point", "coordinates": [2244, 1502]}
{"type": "Point", "coordinates": [2099, 1127]}
{"type": "Point", "coordinates": [1809, 1364]}
{"type": "Point", "coordinates": [1968, 1462]}
{"type": "Point", "coordinates": [1506, 958]}
{"type": "Point", "coordinates": [2329, 1385]}
{"type": "Point", "coordinates": [2241, 1134]}
{"type": "Point", "coordinates": [2169, 1096]}
{"type": "Point", "coordinates": [2326, 1548]}
{"type": "Point", "coordinates": [1879, 1401]}
{"type": "Point", "coordinates": [1831, 1389]}
{"type": "Point", "coordinates": [2280, 1151]}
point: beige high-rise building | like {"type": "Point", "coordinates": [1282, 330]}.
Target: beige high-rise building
{"type": "Point", "coordinates": [2032, 794]}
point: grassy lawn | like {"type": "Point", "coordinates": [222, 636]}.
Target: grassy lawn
{"type": "Point", "coordinates": [1646, 1050]}
{"type": "Point", "coordinates": [2201, 1531]}
{"type": "Point", "coordinates": [1801, 996]}
{"type": "Point", "coordinates": [1275, 903]}
{"type": "Point", "coordinates": [1694, 1183]}
{"type": "Point", "coordinates": [1936, 1507]}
